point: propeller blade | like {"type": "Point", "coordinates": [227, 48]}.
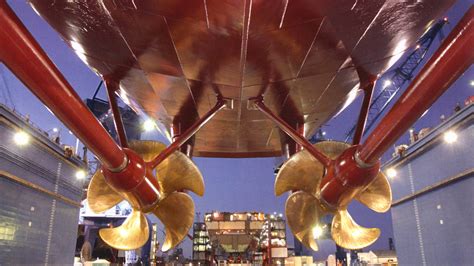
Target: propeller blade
{"type": "Point", "coordinates": [132, 234]}
{"type": "Point", "coordinates": [303, 172]}
{"type": "Point", "coordinates": [308, 240]}
{"type": "Point", "coordinates": [378, 195]}
{"type": "Point", "coordinates": [176, 212]}
{"type": "Point", "coordinates": [148, 149]}
{"type": "Point", "coordinates": [303, 213]}
{"type": "Point", "coordinates": [348, 234]}
{"type": "Point", "coordinates": [100, 196]}
{"type": "Point", "coordinates": [178, 172]}
{"type": "Point", "coordinates": [332, 149]}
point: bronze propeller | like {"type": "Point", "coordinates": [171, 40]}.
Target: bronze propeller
{"type": "Point", "coordinates": [175, 209]}
{"type": "Point", "coordinates": [302, 175]}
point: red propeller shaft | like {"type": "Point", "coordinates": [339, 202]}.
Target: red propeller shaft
{"type": "Point", "coordinates": [23, 55]}
{"type": "Point", "coordinates": [26, 59]}
{"type": "Point", "coordinates": [358, 166]}
{"type": "Point", "coordinates": [451, 59]}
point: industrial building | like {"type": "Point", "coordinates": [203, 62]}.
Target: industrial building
{"type": "Point", "coordinates": [433, 188]}
{"type": "Point", "coordinates": [240, 238]}
{"type": "Point", "coordinates": [41, 183]}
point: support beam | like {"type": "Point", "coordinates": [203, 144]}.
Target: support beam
{"type": "Point", "coordinates": [449, 62]}
{"type": "Point", "coordinates": [364, 112]}
{"type": "Point", "coordinates": [20, 52]}
{"type": "Point", "coordinates": [111, 88]}
{"type": "Point", "coordinates": [298, 138]}
{"type": "Point", "coordinates": [182, 138]}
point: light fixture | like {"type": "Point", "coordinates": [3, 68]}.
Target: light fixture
{"type": "Point", "coordinates": [387, 83]}
{"type": "Point", "coordinates": [148, 125]}
{"type": "Point", "coordinates": [472, 83]}
{"type": "Point", "coordinates": [450, 136]}
{"type": "Point", "coordinates": [55, 129]}
{"type": "Point", "coordinates": [317, 232]}
{"type": "Point", "coordinates": [21, 138]}
{"type": "Point", "coordinates": [391, 173]}
{"type": "Point", "coordinates": [81, 174]}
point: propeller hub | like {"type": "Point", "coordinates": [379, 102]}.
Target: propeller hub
{"type": "Point", "coordinates": [345, 178]}
{"type": "Point", "coordinates": [135, 181]}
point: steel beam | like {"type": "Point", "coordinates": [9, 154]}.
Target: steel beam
{"type": "Point", "coordinates": [182, 138]}
{"type": "Point", "coordinates": [298, 138]}
{"type": "Point", "coordinates": [451, 59]}
{"type": "Point", "coordinates": [20, 52]}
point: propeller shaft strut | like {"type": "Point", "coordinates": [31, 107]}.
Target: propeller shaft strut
{"type": "Point", "coordinates": [283, 125]}
{"type": "Point", "coordinates": [221, 103]}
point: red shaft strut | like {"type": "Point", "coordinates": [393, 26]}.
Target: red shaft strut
{"type": "Point", "coordinates": [451, 59]}
{"type": "Point", "coordinates": [283, 125]}
{"type": "Point", "coordinates": [182, 138]}
{"type": "Point", "coordinates": [111, 87]}
{"type": "Point", "coordinates": [364, 112]}
{"type": "Point", "coordinates": [22, 54]}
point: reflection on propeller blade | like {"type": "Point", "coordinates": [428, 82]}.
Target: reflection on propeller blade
{"type": "Point", "coordinates": [100, 196]}
{"type": "Point", "coordinates": [176, 212]}
{"type": "Point", "coordinates": [308, 240]}
{"type": "Point", "coordinates": [178, 172]}
{"type": "Point", "coordinates": [348, 234]}
{"type": "Point", "coordinates": [303, 172]}
{"type": "Point", "coordinates": [303, 212]}
{"type": "Point", "coordinates": [132, 234]}
{"type": "Point", "coordinates": [378, 195]}
{"type": "Point", "coordinates": [148, 149]}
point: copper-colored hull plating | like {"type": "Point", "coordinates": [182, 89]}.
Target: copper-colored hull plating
{"type": "Point", "coordinates": [171, 58]}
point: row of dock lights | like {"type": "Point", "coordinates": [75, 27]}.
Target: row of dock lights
{"type": "Point", "coordinates": [449, 137]}
{"type": "Point", "coordinates": [81, 174]}
{"type": "Point", "coordinates": [21, 138]}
